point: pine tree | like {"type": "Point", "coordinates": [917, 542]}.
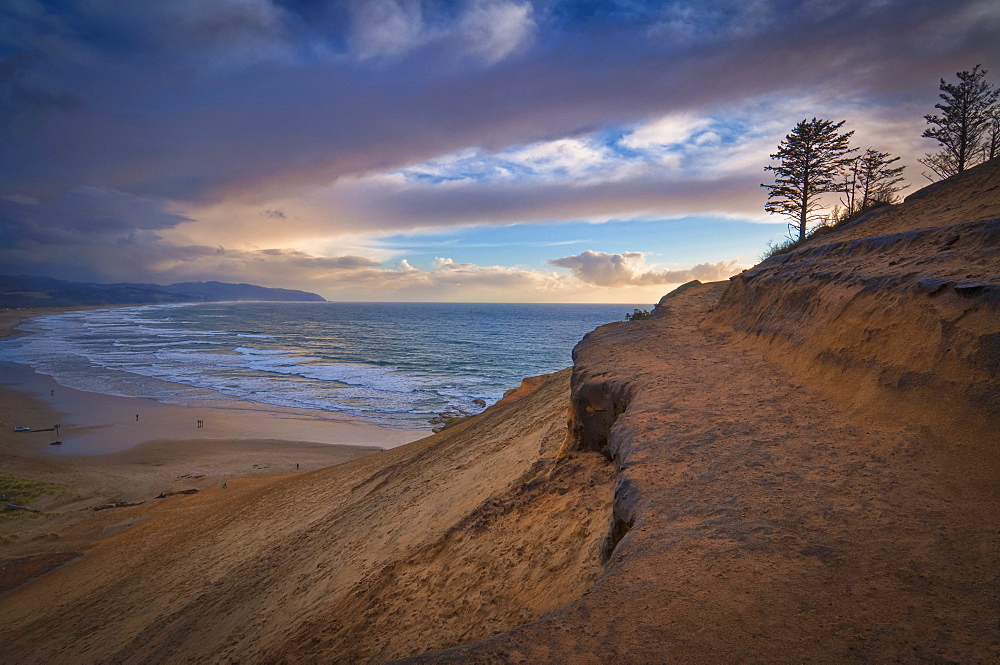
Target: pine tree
{"type": "Point", "coordinates": [849, 186]}
{"type": "Point", "coordinates": [967, 111]}
{"type": "Point", "coordinates": [878, 180]}
{"type": "Point", "coordinates": [941, 163]}
{"type": "Point", "coordinates": [991, 143]}
{"type": "Point", "coordinates": [869, 180]}
{"type": "Point", "coordinates": [811, 159]}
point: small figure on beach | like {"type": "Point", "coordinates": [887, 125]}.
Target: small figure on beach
{"type": "Point", "coordinates": [201, 424]}
{"type": "Point", "coordinates": [296, 466]}
{"type": "Point", "coordinates": [223, 486]}
{"type": "Point", "coordinates": [137, 417]}
{"type": "Point", "coordinates": [52, 392]}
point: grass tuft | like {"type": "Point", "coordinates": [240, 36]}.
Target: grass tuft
{"type": "Point", "coordinates": [21, 492]}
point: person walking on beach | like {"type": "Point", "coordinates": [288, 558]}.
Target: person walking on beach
{"type": "Point", "coordinates": [137, 417]}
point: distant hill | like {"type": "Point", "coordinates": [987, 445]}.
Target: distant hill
{"type": "Point", "coordinates": [224, 291]}
{"type": "Point", "coordinates": [27, 291]}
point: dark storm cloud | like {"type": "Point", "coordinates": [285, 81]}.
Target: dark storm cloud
{"type": "Point", "coordinates": [102, 235]}
{"type": "Point", "coordinates": [193, 100]}
{"type": "Point", "coordinates": [81, 219]}
{"type": "Point", "coordinates": [24, 106]}
{"type": "Point", "coordinates": [115, 113]}
{"type": "Point", "coordinates": [90, 234]}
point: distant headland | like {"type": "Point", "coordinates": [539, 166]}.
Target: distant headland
{"type": "Point", "coordinates": [27, 291]}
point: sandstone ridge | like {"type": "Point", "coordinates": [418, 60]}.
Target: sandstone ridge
{"type": "Point", "coordinates": [806, 456]}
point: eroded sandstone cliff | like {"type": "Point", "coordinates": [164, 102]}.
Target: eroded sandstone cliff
{"type": "Point", "coordinates": [807, 456]}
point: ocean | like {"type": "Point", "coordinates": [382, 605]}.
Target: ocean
{"type": "Point", "coordinates": [394, 364]}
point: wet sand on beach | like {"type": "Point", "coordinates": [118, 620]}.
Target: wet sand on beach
{"type": "Point", "coordinates": [109, 456]}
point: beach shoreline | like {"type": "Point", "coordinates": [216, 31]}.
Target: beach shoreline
{"type": "Point", "coordinates": [97, 423]}
{"type": "Point", "coordinates": [130, 450]}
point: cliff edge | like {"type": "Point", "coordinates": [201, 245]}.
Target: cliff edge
{"type": "Point", "coordinates": [807, 456]}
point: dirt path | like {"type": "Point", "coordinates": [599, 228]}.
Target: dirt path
{"type": "Point", "coordinates": [764, 523]}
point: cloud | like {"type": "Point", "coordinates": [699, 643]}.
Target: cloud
{"type": "Point", "coordinates": [671, 129]}
{"type": "Point", "coordinates": [102, 236]}
{"type": "Point", "coordinates": [494, 29]}
{"type": "Point", "coordinates": [98, 235]}
{"type": "Point", "coordinates": [629, 268]}
{"type": "Point", "coordinates": [488, 30]}
{"type": "Point", "coordinates": [386, 27]}
{"type": "Point", "coordinates": [87, 233]}
{"type": "Point", "coordinates": [95, 234]}
{"type": "Point", "coordinates": [603, 269]}
{"type": "Point", "coordinates": [386, 204]}
{"type": "Point", "coordinates": [24, 105]}
{"type": "Point", "coordinates": [238, 31]}
{"type": "Point", "coordinates": [92, 234]}
{"type": "Point", "coordinates": [159, 121]}
{"type": "Point", "coordinates": [83, 215]}
{"type": "Point", "coordinates": [669, 166]}
{"type": "Point", "coordinates": [354, 278]}
{"type": "Point", "coordinates": [151, 134]}
{"type": "Point", "coordinates": [726, 139]}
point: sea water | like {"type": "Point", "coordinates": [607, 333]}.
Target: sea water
{"type": "Point", "coordinates": [395, 364]}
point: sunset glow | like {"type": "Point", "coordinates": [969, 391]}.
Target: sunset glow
{"type": "Point", "coordinates": [486, 150]}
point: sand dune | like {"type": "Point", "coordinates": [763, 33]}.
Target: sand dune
{"type": "Point", "coordinates": [444, 541]}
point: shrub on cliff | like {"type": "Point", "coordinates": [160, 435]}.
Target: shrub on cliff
{"type": "Point", "coordinates": [789, 244]}
{"type": "Point", "coordinates": [639, 315]}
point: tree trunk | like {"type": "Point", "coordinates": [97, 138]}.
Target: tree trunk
{"type": "Point", "coordinates": [802, 215]}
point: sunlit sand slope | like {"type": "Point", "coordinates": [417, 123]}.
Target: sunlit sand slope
{"type": "Point", "coordinates": [440, 542]}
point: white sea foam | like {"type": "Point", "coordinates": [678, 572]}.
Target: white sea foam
{"type": "Point", "coordinates": [394, 363]}
{"type": "Point", "coordinates": [257, 352]}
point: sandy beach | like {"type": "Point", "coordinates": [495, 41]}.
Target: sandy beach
{"type": "Point", "coordinates": [122, 449]}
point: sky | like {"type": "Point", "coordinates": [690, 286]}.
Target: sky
{"type": "Point", "coordinates": [430, 150]}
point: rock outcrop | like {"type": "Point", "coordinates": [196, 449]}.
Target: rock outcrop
{"type": "Point", "coordinates": [907, 319]}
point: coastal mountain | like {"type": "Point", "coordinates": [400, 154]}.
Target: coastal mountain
{"type": "Point", "coordinates": [28, 291]}
{"type": "Point", "coordinates": [238, 292]}
{"type": "Point", "coordinates": [798, 465]}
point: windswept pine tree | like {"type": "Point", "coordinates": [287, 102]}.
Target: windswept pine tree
{"type": "Point", "coordinates": [871, 180]}
{"type": "Point", "coordinates": [991, 143]}
{"type": "Point", "coordinates": [967, 128]}
{"type": "Point", "coordinates": [810, 161]}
